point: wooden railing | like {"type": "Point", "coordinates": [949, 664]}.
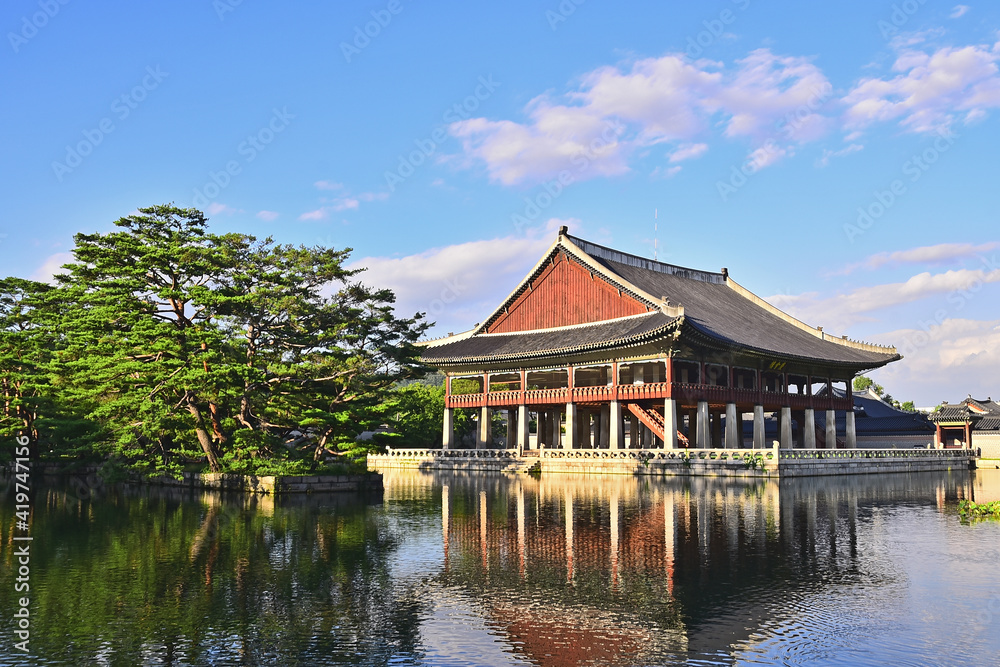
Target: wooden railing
{"type": "Point", "coordinates": [683, 392]}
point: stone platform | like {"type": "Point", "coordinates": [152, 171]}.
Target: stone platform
{"type": "Point", "coordinates": [772, 462]}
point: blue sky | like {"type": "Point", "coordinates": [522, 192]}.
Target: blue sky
{"type": "Point", "coordinates": [839, 158]}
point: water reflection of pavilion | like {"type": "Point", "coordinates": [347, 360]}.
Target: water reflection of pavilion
{"type": "Point", "coordinates": [614, 570]}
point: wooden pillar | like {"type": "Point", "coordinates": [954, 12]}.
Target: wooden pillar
{"type": "Point", "coordinates": [968, 435]}
{"type": "Point", "coordinates": [759, 436]}
{"type": "Point", "coordinates": [809, 429]}
{"type": "Point", "coordinates": [937, 436]}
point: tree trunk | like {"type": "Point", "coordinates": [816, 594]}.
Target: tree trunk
{"type": "Point", "coordinates": [204, 439]}
{"type": "Point", "coordinates": [321, 445]}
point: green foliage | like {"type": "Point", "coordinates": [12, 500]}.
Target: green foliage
{"type": "Point", "coordinates": [863, 382]}
{"type": "Point", "coordinates": [165, 343]}
{"type": "Point", "coordinates": [969, 509]}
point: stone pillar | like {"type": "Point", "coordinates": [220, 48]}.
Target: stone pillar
{"type": "Point", "coordinates": [633, 432]}
{"type": "Point", "coordinates": [702, 436]}
{"type": "Point", "coordinates": [809, 429]}
{"type": "Point", "coordinates": [670, 424]}
{"type": "Point", "coordinates": [448, 435]}
{"type": "Point", "coordinates": [758, 427]}
{"type": "Point", "coordinates": [571, 425]}
{"type": "Point", "coordinates": [523, 436]}
{"type": "Point", "coordinates": [852, 436]}
{"type": "Point", "coordinates": [734, 427]}
{"type": "Point", "coordinates": [785, 428]}
{"type": "Point", "coordinates": [557, 429]}
{"type": "Point", "coordinates": [692, 420]}
{"type": "Point", "coordinates": [605, 426]}
{"type": "Point", "coordinates": [616, 435]}
{"type": "Point", "coordinates": [831, 429]}
{"type": "Point", "coordinates": [541, 426]}
{"type": "Point", "coordinates": [717, 429]}
{"type": "Point", "coordinates": [511, 429]}
{"type": "Point", "coordinates": [483, 441]}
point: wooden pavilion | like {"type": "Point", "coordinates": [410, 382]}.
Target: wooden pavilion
{"type": "Point", "coordinates": [603, 349]}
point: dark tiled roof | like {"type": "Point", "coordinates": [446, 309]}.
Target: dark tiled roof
{"type": "Point", "coordinates": [988, 424]}
{"type": "Point", "coordinates": [949, 412]}
{"type": "Point", "coordinates": [564, 340]}
{"type": "Point", "coordinates": [718, 311]}
{"type": "Point", "coordinates": [714, 313]}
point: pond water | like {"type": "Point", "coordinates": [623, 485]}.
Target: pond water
{"type": "Point", "coordinates": [460, 569]}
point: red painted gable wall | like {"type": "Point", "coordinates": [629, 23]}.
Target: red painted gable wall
{"type": "Point", "coordinates": [565, 293]}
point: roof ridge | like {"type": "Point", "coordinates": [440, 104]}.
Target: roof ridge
{"type": "Point", "coordinates": [610, 254]}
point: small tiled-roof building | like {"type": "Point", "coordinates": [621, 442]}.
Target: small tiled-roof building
{"type": "Point", "coordinates": [972, 423]}
{"type": "Point", "coordinates": [606, 349]}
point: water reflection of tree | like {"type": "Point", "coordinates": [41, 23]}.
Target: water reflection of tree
{"type": "Point", "coordinates": [151, 575]}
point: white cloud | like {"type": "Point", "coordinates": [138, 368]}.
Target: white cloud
{"type": "Point", "coordinates": [930, 89]}
{"type": "Point", "coordinates": [594, 129]}
{"type": "Point", "coordinates": [688, 152]}
{"type": "Point", "coordinates": [669, 172]}
{"type": "Point", "coordinates": [459, 285]}
{"type": "Point", "coordinates": [847, 150]}
{"type": "Point", "coordinates": [933, 254]}
{"type": "Point", "coordinates": [268, 216]}
{"type": "Point", "coordinates": [318, 214]}
{"type": "Point", "coordinates": [958, 11]}
{"type": "Point", "coordinates": [51, 266]}
{"type": "Point", "coordinates": [344, 202]}
{"type": "Point", "coordinates": [943, 360]}
{"type": "Point", "coordinates": [841, 311]}
{"type": "Point", "coordinates": [216, 208]}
